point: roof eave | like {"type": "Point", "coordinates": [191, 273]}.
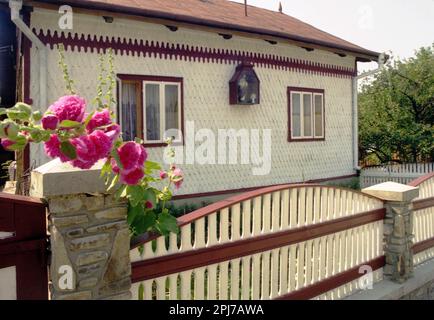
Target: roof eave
{"type": "Point", "coordinates": [362, 55]}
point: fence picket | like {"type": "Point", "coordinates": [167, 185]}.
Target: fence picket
{"type": "Point", "coordinates": [276, 271]}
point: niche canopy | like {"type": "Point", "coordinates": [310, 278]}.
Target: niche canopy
{"type": "Point", "coordinates": [244, 85]}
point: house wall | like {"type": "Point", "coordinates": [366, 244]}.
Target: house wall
{"type": "Point", "coordinates": [206, 95]}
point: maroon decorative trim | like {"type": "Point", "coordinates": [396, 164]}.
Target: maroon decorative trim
{"type": "Point", "coordinates": [418, 181]}
{"type": "Point", "coordinates": [309, 90]}
{"type": "Point", "coordinates": [223, 192]}
{"type": "Point", "coordinates": [136, 77]}
{"type": "Point", "coordinates": [165, 50]}
{"type": "Point", "coordinates": [178, 262]}
{"type": "Point", "coordinates": [333, 282]}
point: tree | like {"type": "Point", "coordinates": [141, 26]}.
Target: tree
{"type": "Point", "coordinates": [397, 111]}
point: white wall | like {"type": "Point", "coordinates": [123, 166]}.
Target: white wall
{"type": "Point", "coordinates": [206, 93]}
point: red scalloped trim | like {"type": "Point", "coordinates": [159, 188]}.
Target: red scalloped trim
{"type": "Point", "coordinates": [188, 53]}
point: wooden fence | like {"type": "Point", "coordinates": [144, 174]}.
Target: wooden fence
{"type": "Point", "coordinates": [401, 173]}
{"type": "Point", "coordinates": [423, 223]}
{"type": "Point", "coordinates": [23, 245]}
{"type": "Point", "coordinates": [282, 242]}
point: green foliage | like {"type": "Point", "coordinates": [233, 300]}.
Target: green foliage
{"type": "Point", "coordinates": [354, 184]}
{"type": "Point", "coordinates": [180, 210]}
{"type": "Point", "coordinates": [396, 114]}
{"type": "Point", "coordinates": [106, 81]}
{"type": "Point", "coordinates": [69, 83]}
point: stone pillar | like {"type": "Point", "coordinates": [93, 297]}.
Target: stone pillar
{"type": "Point", "coordinates": [398, 227]}
{"type": "Point", "coordinates": [89, 235]}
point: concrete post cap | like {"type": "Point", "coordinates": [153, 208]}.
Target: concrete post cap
{"type": "Point", "coordinates": [392, 191]}
{"type": "Point", "coordinates": [56, 178]}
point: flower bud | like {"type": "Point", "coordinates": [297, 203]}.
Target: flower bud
{"type": "Point", "coordinates": [50, 122]}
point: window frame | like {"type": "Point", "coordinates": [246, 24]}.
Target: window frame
{"type": "Point", "coordinates": [160, 80]}
{"type": "Point", "coordinates": [313, 92]}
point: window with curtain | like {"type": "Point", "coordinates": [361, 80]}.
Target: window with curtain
{"type": "Point", "coordinates": [150, 108]}
{"type": "Point", "coordinates": [129, 108]}
{"type": "Point", "coordinates": [306, 114]}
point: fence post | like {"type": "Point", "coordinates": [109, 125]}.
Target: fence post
{"type": "Point", "coordinates": [89, 235]}
{"type": "Point", "coordinates": [398, 227]}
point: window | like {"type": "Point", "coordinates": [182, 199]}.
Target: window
{"type": "Point", "coordinates": [150, 108]}
{"type": "Point", "coordinates": [306, 114]}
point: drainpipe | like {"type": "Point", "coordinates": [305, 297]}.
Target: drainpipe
{"type": "Point", "coordinates": [16, 6]}
{"type": "Point", "coordinates": [381, 61]}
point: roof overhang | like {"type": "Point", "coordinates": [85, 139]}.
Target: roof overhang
{"type": "Point", "coordinates": [162, 17]}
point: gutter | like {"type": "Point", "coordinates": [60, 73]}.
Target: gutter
{"type": "Point", "coordinates": [16, 6]}
{"type": "Point", "coordinates": [355, 84]}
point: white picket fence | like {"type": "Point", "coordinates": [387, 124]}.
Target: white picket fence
{"type": "Point", "coordinates": [277, 242]}
{"type": "Point", "coordinates": [401, 173]}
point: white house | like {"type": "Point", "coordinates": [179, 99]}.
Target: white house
{"type": "Point", "coordinates": [207, 64]}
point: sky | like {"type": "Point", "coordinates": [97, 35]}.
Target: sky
{"type": "Point", "coordinates": [379, 25]}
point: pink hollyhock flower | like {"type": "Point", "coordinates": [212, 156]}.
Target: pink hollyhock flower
{"type": "Point", "coordinates": [163, 175]}
{"type": "Point", "coordinates": [99, 119]}
{"type": "Point", "coordinates": [115, 167]}
{"type": "Point", "coordinates": [52, 148]}
{"type": "Point", "coordinates": [50, 122]}
{"type": "Point", "coordinates": [91, 148]}
{"type": "Point", "coordinates": [177, 177]}
{"type": "Point", "coordinates": [178, 184]}
{"type": "Point", "coordinates": [69, 108]}
{"type": "Point", "coordinates": [6, 143]}
{"type": "Point", "coordinates": [113, 131]}
{"type": "Point", "coordinates": [132, 155]}
{"type": "Point", "coordinates": [132, 176]}
{"type": "Point", "coordinates": [103, 143]}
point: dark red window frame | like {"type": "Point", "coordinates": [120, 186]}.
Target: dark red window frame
{"type": "Point", "coordinates": [141, 78]}
{"type": "Point", "coordinates": [303, 90]}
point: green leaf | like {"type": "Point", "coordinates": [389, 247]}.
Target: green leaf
{"type": "Point", "coordinates": [16, 115]}
{"type": "Point", "coordinates": [134, 212]}
{"type": "Point", "coordinates": [37, 115]}
{"type": "Point", "coordinates": [115, 180]}
{"type": "Point", "coordinates": [135, 194]}
{"type": "Point", "coordinates": [115, 155]}
{"type": "Point", "coordinates": [141, 292]}
{"type": "Point", "coordinates": [144, 222]}
{"type": "Point", "coordinates": [69, 124]}
{"type": "Point", "coordinates": [138, 140]}
{"type": "Point", "coordinates": [150, 195]}
{"type": "Point", "coordinates": [68, 150]}
{"type": "Point", "coordinates": [167, 223]}
{"type": "Point", "coordinates": [2, 111]}
{"type": "Point", "coordinates": [88, 118]}
{"type": "Point", "coordinates": [24, 108]}
{"type": "Point", "coordinates": [106, 168]}
{"type": "Point", "coordinates": [149, 165]}
{"type": "Point", "coordinates": [121, 192]}
{"type": "Point", "coordinates": [141, 249]}
{"type": "Point", "coordinates": [9, 129]}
